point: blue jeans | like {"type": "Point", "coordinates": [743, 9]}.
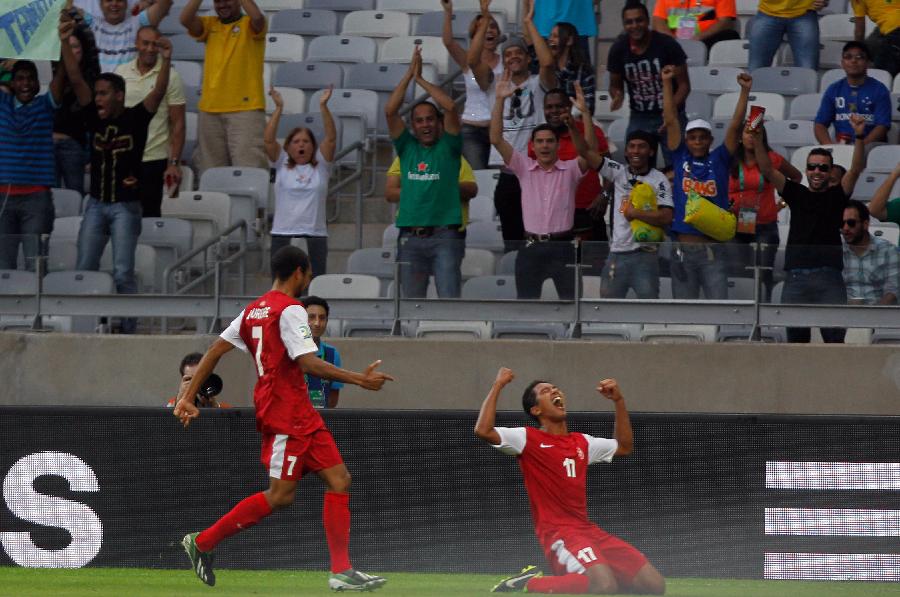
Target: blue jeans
{"type": "Point", "coordinates": [651, 123]}
{"type": "Point", "coordinates": [802, 33]}
{"type": "Point", "coordinates": [71, 157]}
{"type": "Point", "coordinates": [700, 265]}
{"type": "Point", "coordinates": [122, 222]}
{"type": "Point", "coordinates": [637, 269]}
{"type": "Point", "coordinates": [23, 218]}
{"type": "Point", "coordinates": [815, 286]}
{"type": "Point", "coordinates": [440, 253]}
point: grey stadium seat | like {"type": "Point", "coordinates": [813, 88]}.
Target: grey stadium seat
{"type": "Point", "coordinates": [698, 105]}
{"type": "Point", "coordinates": [791, 133]}
{"type": "Point", "coordinates": [786, 80]}
{"type": "Point", "coordinates": [432, 23]}
{"type": "Point", "coordinates": [308, 75]}
{"type": "Point", "coordinates": [867, 184]}
{"type": "Point", "coordinates": [374, 261]}
{"type": "Point", "coordinates": [304, 21]}
{"type": "Point", "coordinates": [185, 47]}
{"type": "Point", "coordinates": [695, 50]}
{"type": "Point", "coordinates": [715, 80]}
{"type": "Point", "coordinates": [66, 202]}
{"type": "Point", "coordinates": [342, 49]}
{"type": "Point", "coordinates": [805, 106]}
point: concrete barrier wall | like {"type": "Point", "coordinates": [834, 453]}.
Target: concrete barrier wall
{"type": "Point", "coordinates": [726, 378]}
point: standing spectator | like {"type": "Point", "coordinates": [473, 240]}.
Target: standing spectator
{"type": "Point", "coordinates": [857, 93]}
{"type": "Point", "coordinates": [548, 200]}
{"type": "Point", "coordinates": [521, 114]}
{"type": "Point", "coordinates": [547, 13]}
{"type": "Point", "coordinates": [120, 134]}
{"type": "Point", "coordinates": [871, 264]}
{"type": "Point", "coordinates": [115, 29]}
{"type": "Point", "coordinates": [26, 158]}
{"type": "Point", "coordinates": [884, 41]}
{"type": "Point", "coordinates": [632, 264]}
{"type": "Point", "coordinates": [429, 216]}
{"type": "Point", "coordinates": [323, 393]}
{"type": "Point", "coordinates": [753, 202]}
{"type": "Point", "coordinates": [699, 260]}
{"type": "Point", "coordinates": [482, 58]}
{"type": "Point", "coordinates": [799, 19]}
{"type": "Point", "coordinates": [70, 137]}
{"type": "Point", "coordinates": [882, 206]}
{"type": "Point", "coordinates": [232, 100]}
{"type": "Point", "coordinates": [165, 137]}
{"type": "Point", "coordinates": [636, 59]}
{"type": "Point", "coordinates": [709, 21]}
{"type": "Point", "coordinates": [302, 168]}
{"type": "Point", "coordinates": [813, 261]}
{"type": "Point", "coordinates": [468, 187]}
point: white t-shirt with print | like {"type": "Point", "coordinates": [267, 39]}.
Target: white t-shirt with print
{"type": "Point", "coordinates": [623, 180]}
{"type": "Point", "coordinates": [300, 194]}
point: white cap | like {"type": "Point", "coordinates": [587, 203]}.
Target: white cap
{"type": "Point", "coordinates": [699, 123]}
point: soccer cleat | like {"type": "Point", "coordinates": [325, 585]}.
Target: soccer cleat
{"type": "Point", "coordinates": [517, 583]}
{"type": "Point", "coordinates": [201, 561]}
{"type": "Point", "coordinates": [354, 580]}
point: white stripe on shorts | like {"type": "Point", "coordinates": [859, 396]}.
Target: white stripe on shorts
{"type": "Point", "coordinates": [276, 462]}
{"type": "Point", "coordinates": [567, 558]}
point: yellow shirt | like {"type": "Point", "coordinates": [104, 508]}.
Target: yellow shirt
{"type": "Point", "coordinates": [885, 14]}
{"type": "Point", "coordinates": [137, 87]}
{"type": "Point", "coordinates": [465, 175]}
{"type": "Point", "coordinates": [233, 67]}
{"type": "Point", "coordinates": [785, 9]}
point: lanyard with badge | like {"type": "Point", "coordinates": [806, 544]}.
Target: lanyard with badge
{"type": "Point", "coordinates": [317, 395]}
{"type": "Point", "coordinates": [746, 222]}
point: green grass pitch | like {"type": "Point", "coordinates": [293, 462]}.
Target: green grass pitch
{"type": "Point", "coordinates": [139, 582]}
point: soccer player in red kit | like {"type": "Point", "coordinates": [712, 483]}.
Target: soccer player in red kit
{"type": "Point", "coordinates": [274, 330]}
{"type": "Point", "coordinates": [583, 557]}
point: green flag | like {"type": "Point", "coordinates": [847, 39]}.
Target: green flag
{"type": "Point", "coordinates": [28, 29]}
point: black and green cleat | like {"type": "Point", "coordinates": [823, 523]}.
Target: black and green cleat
{"type": "Point", "coordinates": [201, 561]}
{"type": "Point", "coordinates": [517, 583]}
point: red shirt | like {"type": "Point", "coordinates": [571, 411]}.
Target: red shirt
{"type": "Point", "coordinates": [274, 329]}
{"type": "Point", "coordinates": [589, 187]}
{"type": "Point", "coordinates": [750, 195]}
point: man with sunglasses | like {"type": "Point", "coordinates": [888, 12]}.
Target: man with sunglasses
{"type": "Point", "coordinates": [871, 264]}
{"type": "Point", "coordinates": [857, 93]}
{"type": "Point", "coordinates": [813, 262]}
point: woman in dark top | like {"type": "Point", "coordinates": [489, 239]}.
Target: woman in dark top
{"type": "Point", "coordinates": [70, 137]}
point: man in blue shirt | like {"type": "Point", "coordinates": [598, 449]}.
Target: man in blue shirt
{"type": "Point", "coordinates": [856, 94]}
{"type": "Point", "coordinates": [699, 261]}
{"type": "Point", "coordinates": [323, 393]}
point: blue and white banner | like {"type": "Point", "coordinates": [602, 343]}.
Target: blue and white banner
{"type": "Point", "coordinates": [28, 29]}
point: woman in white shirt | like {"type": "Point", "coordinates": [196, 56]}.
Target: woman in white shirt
{"type": "Point", "coordinates": [481, 59]}
{"type": "Point", "coordinates": [303, 168]}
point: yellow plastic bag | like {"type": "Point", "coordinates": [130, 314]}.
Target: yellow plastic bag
{"type": "Point", "coordinates": [643, 198]}
{"type": "Point", "coordinates": [709, 218]}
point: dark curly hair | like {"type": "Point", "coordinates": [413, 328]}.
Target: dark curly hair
{"type": "Point", "coordinates": [90, 62]}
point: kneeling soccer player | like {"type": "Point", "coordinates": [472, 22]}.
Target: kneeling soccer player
{"type": "Point", "coordinates": [583, 557]}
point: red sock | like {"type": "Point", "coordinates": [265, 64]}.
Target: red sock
{"type": "Point", "coordinates": [573, 584]}
{"type": "Point", "coordinates": [247, 513]}
{"type": "Point", "coordinates": [336, 519]}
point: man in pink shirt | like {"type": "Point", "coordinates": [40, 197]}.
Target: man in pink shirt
{"type": "Point", "coordinates": [548, 199]}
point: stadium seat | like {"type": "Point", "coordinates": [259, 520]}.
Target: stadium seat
{"type": "Point", "coordinates": [62, 254]}
{"type": "Point", "coordinates": [389, 236]}
{"type": "Point", "coordinates": [307, 22]}
{"type": "Point", "coordinates": [506, 265]}
{"type": "Point", "coordinates": [342, 49]}
{"type": "Point", "coordinates": [867, 184]}
{"type": "Point", "coordinates": [294, 100]}
{"type": "Point", "coordinates": [208, 212]}
{"type": "Point", "coordinates": [77, 282]}
{"type": "Point", "coordinates": [432, 23]}
{"type": "Point", "coordinates": [377, 24]}
{"type": "Point", "coordinates": [714, 80]}
{"type": "Point", "coordinates": [698, 105]}
{"type": "Point", "coordinates": [146, 270]}
{"type": "Point", "coordinates": [486, 181]}
{"type": "Point", "coordinates": [400, 49]}
{"type": "Point", "coordinates": [309, 75]}
{"type": "Point", "coordinates": [896, 86]}
{"type": "Point", "coordinates": [191, 72]}
{"type": "Point", "coordinates": [66, 228]}
{"type": "Point", "coordinates": [274, 6]}
{"type": "Point", "coordinates": [342, 5]}
{"type": "Point", "coordinates": [611, 332]}
{"type": "Point", "coordinates": [375, 261]}
{"type": "Point", "coordinates": [284, 47]}
{"type": "Point", "coordinates": [490, 287]}
{"type": "Point", "coordinates": [888, 231]}
{"type": "Point", "coordinates": [484, 235]}
{"type": "Point", "coordinates": [192, 98]}
{"type": "Point", "coordinates": [602, 107]}
{"type": "Point", "coordinates": [609, 26]}
{"type": "Point", "coordinates": [379, 77]}
{"type": "Point", "coordinates": [337, 286]}
{"type": "Point", "coordinates": [741, 333]}
{"type": "Point", "coordinates": [352, 101]}
{"type": "Point", "coordinates": [841, 154]}
{"type": "Point", "coordinates": [746, 7]}
{"type": "Point", "coordinates": [477, 262]}
{"type": "Point", "coordinates": [774, 103]}
{"type": "Point", "coordinates": [719, 129]}
{"type": "Point", "coordinates": [883, 158]}
{"type": "Point", "coordinates": [17, 281]}
{"type": "Point", "coordinates": [66, 202]}
{"type": "Point", "coordinates": [790, 134]}
{"type": "Point", "coordinates": [836, 7]}
{"type": "Point", "coordinates": [829, 55]}
{"type": "Point", "coordinates": [695, 50]}
{"type": "Point", "coordinates": [805, 106]}
{"type": "Point", "coordinates": [836, 74]}
{"type": "Point", "coordinates": [185, 47]}
{"type": "Point", "coordinates": [509, 8]}
{"type": "Point", "coordinates": [885, 336]}
{"type": "Point", "coordinates": [171, 24]}
{"type": "Point", "coordinates": [248, 188]}
{"type": "Point", "coordinates": [616, 131]}
{"type": "Point", "coordinates": [481, 208]}
{"type": "Point", "coordinates": [677, 333]}
{"type": "Point", "coordinates": [786, 80]}
{"type": "Point", "coordinates": [836, 27]}
{"type": "Point", "coordinates": [171, 237]}
{"type": "Point", "coordinates": [732, 52]}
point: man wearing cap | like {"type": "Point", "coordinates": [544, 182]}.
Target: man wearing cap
{"type": "Point", "coordinates": [699, 261]}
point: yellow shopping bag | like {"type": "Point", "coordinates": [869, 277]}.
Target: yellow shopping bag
{"type": "Point", "coordinates": [643, 198]}
{"type": "Point", "coordinates": [709, 218]}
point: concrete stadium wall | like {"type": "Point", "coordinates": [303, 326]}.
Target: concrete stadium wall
{"type": "Point", "coordinates": [47, 369]}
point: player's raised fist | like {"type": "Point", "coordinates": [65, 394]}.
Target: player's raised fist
{"type": "Point", "coordinates": [504, 376]}
{"type": "Point", "coordinates": [610, 389]}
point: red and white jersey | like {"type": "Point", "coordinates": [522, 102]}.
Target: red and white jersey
{"type": "Point", "coordinates": [275, 330]}
{"type": "Point", "coordinates": [554, 468]}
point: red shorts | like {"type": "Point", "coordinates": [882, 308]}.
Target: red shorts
{"type": "Point", "coordinates": [577, 549]}
{"type": "Point", "coordinates": [288, 457]}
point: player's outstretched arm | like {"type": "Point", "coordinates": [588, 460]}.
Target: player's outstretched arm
{"type": "Point", "coordinates": [622, 429]}
{"type": "Point", "coordinates": [185, 409]}
{"type": "Point", "coordinates": [484, 427]}
{"type": "Point", "coordinates": [368, 379]}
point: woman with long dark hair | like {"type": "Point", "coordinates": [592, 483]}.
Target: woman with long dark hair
{"type": "Point", "coordinates": [70, 135]}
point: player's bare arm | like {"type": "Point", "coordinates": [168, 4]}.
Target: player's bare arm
{"type": "Point", "coordinates": [370, 379]}
{"type": "Point", "coordinates": [185, 409]}
{"type": "Point", "coordinates": [622, 433]}
{"type": "Point", "coordinates": [484, 427]}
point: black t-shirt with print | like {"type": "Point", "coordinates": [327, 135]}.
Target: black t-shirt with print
{"type": "Point", "coordinates": [117, 150]}
{"type": "Point", "coordinates": [642, 72]}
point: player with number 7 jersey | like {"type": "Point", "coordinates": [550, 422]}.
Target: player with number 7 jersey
{"type": "Point", "coordinates": [275, 330]}
{"type": "Point", "coordinates": [583, 557]}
